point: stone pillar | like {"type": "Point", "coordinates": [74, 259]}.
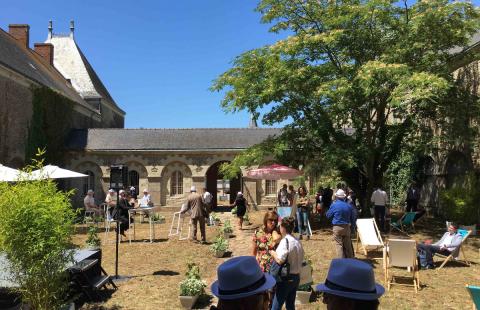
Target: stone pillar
{"type": "Point", "coordinates": [154, 188]}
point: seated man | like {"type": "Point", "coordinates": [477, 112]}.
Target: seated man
{"type": "Point", "coordinates": [89, 203]}
{"type": "Point", "coordinates": [447, 245]}
{"type": "Point", "coordinates": [145, 201]}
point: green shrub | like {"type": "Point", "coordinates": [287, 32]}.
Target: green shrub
{"type": "Point", "coordinates": [193, 284]}
{"type": "Point", "coordinates": [219, 245]}
{"type": "Point", "coordinates": [227, 227]}
{"type": "Point", "coordinates": [36, 225]}
{"type": "Point", "coordinates": [93, 240]}
{"type": "Point", "coordinates": [460, 204]}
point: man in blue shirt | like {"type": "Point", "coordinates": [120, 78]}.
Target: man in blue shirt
{"type": "Point", "coordinates": [342, 216]}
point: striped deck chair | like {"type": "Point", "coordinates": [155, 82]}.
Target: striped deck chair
{"type": "Point", "coordinates": [455, 255]}
{"type": "Point", "coordinates": [475, 294]}
{"type": "Point", "coordinates": [404, 222]}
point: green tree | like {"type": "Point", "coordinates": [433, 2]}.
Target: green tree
{"type": "Point", "coordinates": [36, 225]}
{"type": "Point", "coordinates": [356, 81]}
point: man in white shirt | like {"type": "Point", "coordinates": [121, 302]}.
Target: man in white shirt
{"type": "Point", "coordinates": [89, 203]}
{"type": "Point", "coordinates": [146, 200]}
{"type": "Point", "coordinates": [380, 200]}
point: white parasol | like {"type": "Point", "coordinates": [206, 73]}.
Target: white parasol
{"type": "Point", "coordinates": [54, 172]}
{"type": "Point", "coordinates": [8, 174]}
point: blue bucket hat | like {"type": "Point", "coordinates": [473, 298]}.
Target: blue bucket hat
{"type": "Point", "coordinates": [241, 277]}
{"type": "Point", "coordinates": [351, 278]}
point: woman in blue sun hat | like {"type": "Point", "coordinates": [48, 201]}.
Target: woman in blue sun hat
{"type": "Point", "coordinates": [350, 285]}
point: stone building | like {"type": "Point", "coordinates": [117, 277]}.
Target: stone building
{"type": "Point", "coordinates": [35, 76]}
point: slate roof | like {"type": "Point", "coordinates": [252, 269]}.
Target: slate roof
{"type": "Point", "coordinates": [69, 59]}
{"type": "Point", "coordinates": [168, 139]}
{"type": "Point", "coordinates": [29, 64]}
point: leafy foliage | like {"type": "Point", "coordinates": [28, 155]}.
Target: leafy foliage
{"type": "Point", "coordinates": [219, 245]}
{"type": "Point", "coordinates": [357, 82]}
{"type": "Point", "coordinates": [36, 225]}
{"type": "Point", "coordinates": [460, 203]}
{"type": "Point", "coordinates": [193, 284]}
{"type": "Point", "coordinates": [92, 237]}
{"type": "Point", "coordinates": [227, 227]}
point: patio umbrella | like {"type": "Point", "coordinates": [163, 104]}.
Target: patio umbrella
{"type": "Point", "coordinates": [8, 174]}
{"type": "Point", "coordinates": [54, 172]}
{"type": "Point", "coordinates": [273, 172]}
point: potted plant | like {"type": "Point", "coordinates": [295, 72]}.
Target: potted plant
{"type": "Point", "coordinates": [215, 218]}
{"type": "Point", "coordinates": [227, 229]}
{"type": "Point", "coordinates": [304, 291]}
{"type": "Point", "coordinates": [192, 287]}
{"type": "Point", "coordinates": [93, 241]}
{"type": "Point", "coordinates": [158, 219]}
{"type": "Point", "coordinates": [246, 219]}
{"type": "Point", "coordinates": [219, 247]}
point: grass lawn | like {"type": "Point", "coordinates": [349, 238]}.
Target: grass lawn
{"type": "Point", "coordinates": [155, 269]}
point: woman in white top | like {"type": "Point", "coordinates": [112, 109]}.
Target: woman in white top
{"type": "Point", "coordinates": [289, 250]}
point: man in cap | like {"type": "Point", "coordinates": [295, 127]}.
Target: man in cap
{"type": "Point", "coordinates": [89, 203]}
{"type": "Point", "coordinates": [121, 213]}
{"type": "Point", "coordinates": [242, 285]}
{"type": "Point", "coordinates": [342, 217]}
{"type": "Point", "coordinates": [350, 285]}
{"type": "Point", "coordinates": [198, 213]}
{"type": "Point", "coordinates": [133, 192]}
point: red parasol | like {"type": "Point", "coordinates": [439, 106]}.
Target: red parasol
{"type": "Point", "coordinates": [273, 172]}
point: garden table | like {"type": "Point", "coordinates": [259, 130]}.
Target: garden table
{"type": "Point", "coordinates": [150, 211]}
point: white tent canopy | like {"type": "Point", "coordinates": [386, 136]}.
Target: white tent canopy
{"type": "Point", "coordinates": [8, 174]}
{"type": "Point", "coordinates": [54, 172]}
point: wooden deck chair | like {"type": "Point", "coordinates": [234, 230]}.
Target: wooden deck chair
{"type": "Point", "coordinates": [401, 253]}
{"type": "Point", "coordinates": [368, 236]}
{"type": "Point", "coordinates": [475, 294]}
{"type": "Point", "coordinates": [404, 222]}
{"type": "Point", "coordinates": [455, 255]}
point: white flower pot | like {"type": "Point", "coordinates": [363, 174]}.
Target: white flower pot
{"type": "Point", "coordinates": [303, 297]}
{"type": "Point", "coordinates": [219, 254]}
{"type": "Point", "coordinates": [188, 301]}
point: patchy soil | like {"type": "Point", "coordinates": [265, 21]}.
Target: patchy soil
{"type": "Point", "coordinates": [155, 269]}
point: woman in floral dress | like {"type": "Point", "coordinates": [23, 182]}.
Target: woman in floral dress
{"type": "Point", "coordinates": [266, 239]}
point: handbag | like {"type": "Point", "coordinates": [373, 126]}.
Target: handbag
{"type": "Point", "coordinates": [281, 272]}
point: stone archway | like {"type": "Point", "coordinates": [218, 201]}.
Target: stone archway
{"type": "Point", "coordinates": [456, 169]}
{"type": "Point", "coordinates": [223, 191]}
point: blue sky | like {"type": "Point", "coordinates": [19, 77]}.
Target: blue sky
{"type": "Point", "coordinates": [157, 58]}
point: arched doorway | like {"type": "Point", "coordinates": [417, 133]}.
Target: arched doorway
{"type": "Point", "coordinates": [223, 191]}
{"type": "Point", "coordinates": [456, 169]}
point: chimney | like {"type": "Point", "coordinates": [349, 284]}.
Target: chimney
{"type": "Point", "coordinates": [50, 29]}
{"type": "Point", "coordinates": [21, 32]}
{"type": "Point", "coordinates": [46, 51]}
{"type": "Point", "coordinates": [72, 28]}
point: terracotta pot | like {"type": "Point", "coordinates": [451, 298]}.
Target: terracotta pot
{"type": "Point", "coordinates": [188, 301]}
{"type": "Point", "coordinates": [303, 297]}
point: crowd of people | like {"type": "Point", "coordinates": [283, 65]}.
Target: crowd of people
{"type": "Point", "coordinates": [270, 277]}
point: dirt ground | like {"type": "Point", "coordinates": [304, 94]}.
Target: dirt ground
{"type": "Point", "coordinates": [154, 270]}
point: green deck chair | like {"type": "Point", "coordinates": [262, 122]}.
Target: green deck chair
{"type": "Point", "coordinates": [475, 294]}
{"type": "Point", "coordinates": [405, 222]}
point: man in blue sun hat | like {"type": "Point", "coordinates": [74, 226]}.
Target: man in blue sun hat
{"type": "Point", "coordinates": [242, 285]}
{"type": "Point", "coordinates": [350, 285]}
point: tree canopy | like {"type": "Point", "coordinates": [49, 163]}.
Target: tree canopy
{"type": "Point", "coordinates": [356, 81]}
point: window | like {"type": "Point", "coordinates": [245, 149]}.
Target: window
{"type": "Point", "coordinates": [89, 182]}
{"type": "Point", "coordinates": [133, 179]}
{"type": "Point", "coordinates": [176, 183]}
{"type": "Point", "coordinates": [270, 187]}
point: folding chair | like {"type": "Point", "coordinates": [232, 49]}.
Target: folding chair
{"type": "Point", "coordinates": [369, 236]}
{"type": "Point", "coordinates": [454, 255]}
{"type": "Point", "coordinates": [405, 221]}
{"type": "Point", "coordinates": [401, 253]}
{"type": "Point", "coordinates": [177, 225]}
{"type": "Point", "coordinates": [475, 294]}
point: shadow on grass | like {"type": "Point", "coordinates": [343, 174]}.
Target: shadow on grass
{"type": "Point", "coordinates": [145, 240]}
{"type": "Point", "coordinates": [165, 273]}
